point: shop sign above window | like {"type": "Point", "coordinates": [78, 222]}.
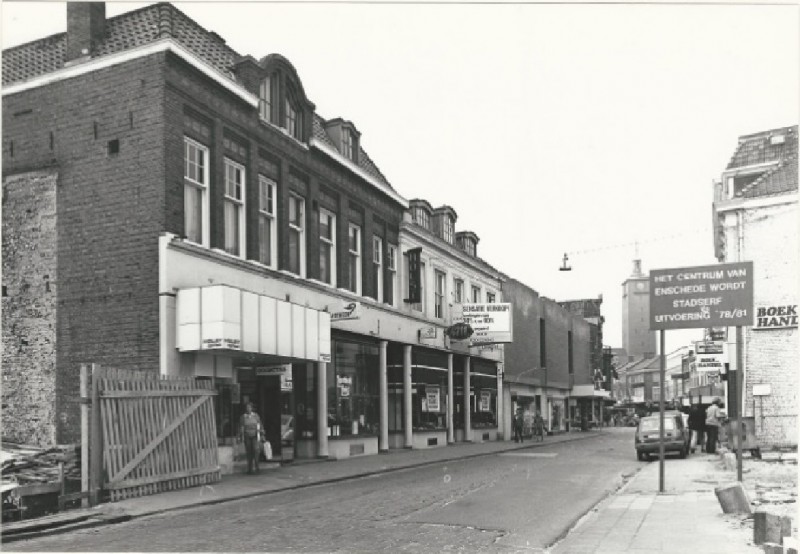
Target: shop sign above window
{"type": "Point", "coordinates": [776, 317]}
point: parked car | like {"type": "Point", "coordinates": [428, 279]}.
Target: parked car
{"type": "Point", "coordinates": [677, 436]}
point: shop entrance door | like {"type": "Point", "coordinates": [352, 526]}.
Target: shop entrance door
{"type": "Point", "coordinates": [269, 393]}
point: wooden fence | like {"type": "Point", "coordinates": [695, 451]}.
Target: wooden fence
{"type": "Point", "coordinates": [158, 433]}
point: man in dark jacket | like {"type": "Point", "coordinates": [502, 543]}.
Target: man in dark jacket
{"type": "Point", "coordinates": [697, 424]}
{"type": "Point", "coordinates": [250, 429]}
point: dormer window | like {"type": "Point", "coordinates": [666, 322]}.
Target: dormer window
{"type": "Point", "coordinates": [421, 217]}
{"type": "Point", "coordinates": [266, 95]}
{"type": "Point", "coordinates": [347, 144]}
{"type": "Point", "coordinates": [468, 242]}
{"type": "Point", "coordinates": [447, 229]}
{"type": "Point", "coordinates": [292, 124]}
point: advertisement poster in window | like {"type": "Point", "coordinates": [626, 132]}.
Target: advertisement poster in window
{"type": "Point", "coordinates": [432, 396]}
{"type": "Point", "coordinates": [344, 382]}
{"type": "Point", "coordinates": [486, 400]}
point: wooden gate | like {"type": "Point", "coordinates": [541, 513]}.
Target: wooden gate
{"type": "Point", "coordinates": [158, 433]}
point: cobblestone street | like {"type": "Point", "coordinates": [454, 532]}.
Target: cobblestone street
{"type": "Point", "coordinates": [521, 499]}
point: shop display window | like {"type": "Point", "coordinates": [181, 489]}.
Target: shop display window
{"type": "Point", "coordinates": [305, 400]}
{"type": "Point", "coordinates": [428, 390]}
{"type": "Point", "coordinates": [353, 396]}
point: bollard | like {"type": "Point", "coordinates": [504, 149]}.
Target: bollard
{"type": "Point", "coordinates": [769, 528]}
{"type": "Point", "coordinates": [733, 499]}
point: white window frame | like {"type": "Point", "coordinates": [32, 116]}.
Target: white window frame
{"type": "Point", "coordinates": [475, 298]}
{"type": "Point", "coordinates": [347, 144]}
{"type": "Point", "coordinates": [265, 99]}
{"type": "Point", "coordinates": [238, 202]}
{"type": "Point", "coordinates": [354, 255]}
{"type": "Point", "coordinates": [204, 170]}
{"type": "Point", "coordinates": [391, 265]}
{"type": "Point", "coordinates": [377, 266]}
{"type": "Point", "coordinates": [267, 202]}
{"type": "Point", "coordinates": [458, 291]}
{"type": "Point", "coordinates": [439, 294]}
{"type": "Point", "coordinates": [300, 230]}
{"type": "Point", "coordinates": [448, 229]}
{"type": "Point", "coordinates": [331, 242]}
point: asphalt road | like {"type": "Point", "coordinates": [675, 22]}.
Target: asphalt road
{"type": "Point", "coordinates": [519, 500]}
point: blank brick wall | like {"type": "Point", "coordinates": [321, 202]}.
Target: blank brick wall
{"type": "Point", "coordinates": [29, 307]}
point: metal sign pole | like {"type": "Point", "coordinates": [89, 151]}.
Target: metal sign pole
{"type": "Point", "coordinates": [661, 373]}
{"type": "Point", "coordinates": [738, 399]}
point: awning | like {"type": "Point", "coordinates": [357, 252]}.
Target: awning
{"type": "Point", "coordinates": [588, 391]}
{"type": "Point", "coordinates": [220, 317]}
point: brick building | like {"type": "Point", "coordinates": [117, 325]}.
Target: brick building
{"type": "Point", "coordinates": [173, 206]}
{"type": "Point", "coordinates": [755, 219]}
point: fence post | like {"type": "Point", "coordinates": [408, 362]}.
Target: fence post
{"type": "Point", "coordinates": [96, 453]}
{"type": "Point", "coordinates": [85, 398]}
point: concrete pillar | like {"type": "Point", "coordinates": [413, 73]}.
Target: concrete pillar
{"type": "Point", "coordinates": [467, 413]}
{"type": "Point", "coordinates": [407, 421]}
{"type": "Point", "coordinates": [450, 433]}
{"type": "Point", "coordinates": [383, 440]}
{"type": "Point", "coordinates": [322, 409]}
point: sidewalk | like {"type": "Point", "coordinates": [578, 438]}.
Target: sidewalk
{"type": "Point", "coordinates": [686, 518]}
{"type": "Point", "coordinates": [300, 473]}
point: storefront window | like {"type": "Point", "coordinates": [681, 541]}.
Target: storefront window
{"type": "Point", "coordinates": [483, 396]}
{"type": "Point", "coordinates": [428, 389]}
{"type": "Point", "coordinates": [305, 405]}
{"type": "Point", "coordinates": [353, 398]}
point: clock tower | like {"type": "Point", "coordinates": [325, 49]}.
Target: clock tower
{"type": "Point", "coordinates": [637, 338]}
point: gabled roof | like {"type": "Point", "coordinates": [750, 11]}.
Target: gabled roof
{"type": "Point", "coordinates": [760, 147]}
{"type": "Point", "coordinates": [137, 28]}
{"type": "Point", "coordinates": [777, 180]}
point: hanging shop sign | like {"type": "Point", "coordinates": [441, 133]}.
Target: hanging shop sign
{"type": "Point", "coordinates": [491, 323]}
{"type": "Point", "coordinates": [776, 317]}
{"type": "Point", "coordinates": [702, 296]}
{"type": "Point", "coordinates": [432, 397]}
{"type": "Point", "coordinates": [427, 333]}
{"type": "Point", "coordinates": [459, 331]}
{"type": "Point", "coordinates": [350, 310]}
{"type": "Point", "coordinates": [486, 400]}
{"type": "Point", "coordinates": [709, 356]}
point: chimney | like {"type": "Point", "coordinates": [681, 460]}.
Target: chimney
{"type": "Point", "coordinates": [86, 25]}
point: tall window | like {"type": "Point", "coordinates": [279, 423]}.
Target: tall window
{"type": "Point", "coordinates": [438, 294]}
{"type": "Point", "coordinates": [347, 144]}
{"type": "Point", "coordinates": [476, 295]}
{"type": "Point", "coordinates": [354, 259]}
{"type": "Point", "coordinates": [292, 119]}
{"type": "Point", "coordinates": [327, 246]}
{"type": "Point", "coordinates": [490, 298]}
{"type": "Point", "coordinates": [447, 228]}
{"type": "Point", "coordinates": [459, 291]}
{"type": "Point", "coordinates": [195, 191]}
{"type": "Point", "coordinates": [421, 217]}
{"type": "Point", "coordinates": [391, 281]}
{"type": "Point", "coordinates": [265, 99]}
{"type": "Point", "coordinates": [234, 208]}
{"type": "Point", "coordinates": [377, 267]}
{"type": "Point", "coordinates": [267, 237]}
{"type": "Point", "coordinates": [297, 243]}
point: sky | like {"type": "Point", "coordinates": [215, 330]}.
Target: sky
{"type": "Point", "coordinates": [549, 128]}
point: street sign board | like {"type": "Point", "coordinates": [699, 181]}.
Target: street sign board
{"type": "Point", "coordinates": [699, 297]}
{"type": "Point", "coordinates": [491, 322]}
{"type": "Point", "coordinates": [710, 356]}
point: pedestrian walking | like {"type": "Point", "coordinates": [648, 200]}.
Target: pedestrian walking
{"type": "Point", "coordinates": [538, 426]}
{"type": "Point", "coordinates": [519, 420]}
{"type": "Point", "coordinates": [250, 430]}
{"type": "Point", "coordinates": [713, 421]}
{"type": "Point", "coordinates": [697, 425]}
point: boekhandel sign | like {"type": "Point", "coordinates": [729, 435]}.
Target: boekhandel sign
{"type": "Point", "coordinates": [703, 296]}
{"type": "Point", "coordinates": [491, 323]}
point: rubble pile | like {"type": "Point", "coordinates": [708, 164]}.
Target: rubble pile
{"type": "Point", "coordinates": [24, 464]}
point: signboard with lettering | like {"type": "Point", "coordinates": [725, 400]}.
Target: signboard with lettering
{"type": "Point", "coordinates": [702, 296]}
{"type": "Point", "coordinates": [491, 323]}
{"type": "Point", "coordinates": [776, 317]}
{"type": "Point", "coordinates": [709, 356]}
{"type": "Point", "coordinates": [432, 396]}
{"type": "Point", "coordinates": [350, 310]}
{"type": "Point", "coordinates": [486, 401]}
